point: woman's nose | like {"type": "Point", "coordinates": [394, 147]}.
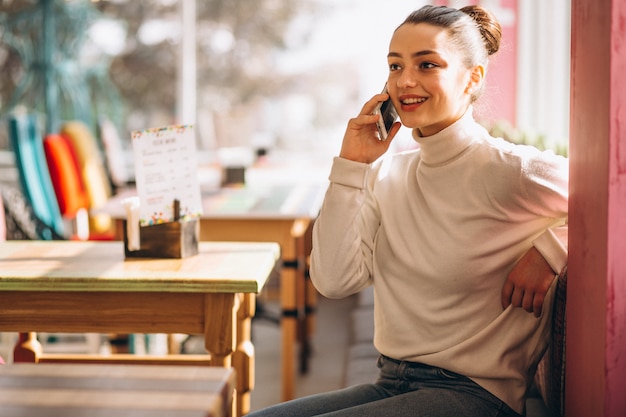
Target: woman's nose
{"type": "Point", "coordinates": [407, 79]}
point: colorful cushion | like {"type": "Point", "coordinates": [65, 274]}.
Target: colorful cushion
{"type": "Point", "coordinates": [65, 176]}
{"type": "Point", "coordinates": [92, 172]}
{"type": "Point", "coordinates": [90, 162]}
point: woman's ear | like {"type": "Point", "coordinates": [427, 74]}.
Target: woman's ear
{"type": "Point", "coordinates": [476, 79]}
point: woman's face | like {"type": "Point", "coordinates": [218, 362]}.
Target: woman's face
{"type": "Point", "coordinates": [428, 83]}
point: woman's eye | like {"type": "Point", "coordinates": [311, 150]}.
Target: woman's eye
{"type": "Point", "coordinates": [394, 67]}
{"type": "Point", "coordinates": [427, 65]}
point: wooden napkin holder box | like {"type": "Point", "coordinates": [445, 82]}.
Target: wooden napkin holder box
{"type": "Point", "coordinates": [176, 239]}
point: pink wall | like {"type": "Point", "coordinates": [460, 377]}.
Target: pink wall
{"type": "Point", "coordinates": [499, 99]}
{"type": "Point", "coordinates": [596, 305]}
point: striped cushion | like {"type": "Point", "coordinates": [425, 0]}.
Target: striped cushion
{"type": "Point", "coordinates": [27, 144]}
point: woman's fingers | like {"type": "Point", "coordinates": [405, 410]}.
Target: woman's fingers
{"type": "Point", "coordinates": [370, 106]}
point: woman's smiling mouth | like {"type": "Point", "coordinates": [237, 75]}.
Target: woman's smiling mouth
{"type": "Point", "coordinates": [411, 103]}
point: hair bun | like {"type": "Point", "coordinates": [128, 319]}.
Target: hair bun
{"type": "Point", "coordinates": [488, 25]}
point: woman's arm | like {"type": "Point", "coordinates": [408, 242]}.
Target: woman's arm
{"type": "Point", "coordinates": [341, 259]}
{"type": "Point", "coordinates": [529, 281]}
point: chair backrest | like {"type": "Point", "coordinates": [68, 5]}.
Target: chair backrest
{"type": "Point", "coordinates": [550, 375]}
{"type": "Point", "coordinates": [90, 161]}
{"type": "Point", "coordinates": [119, 175]}
{"type": "Point", "coordinates": [65, 175]}
{"type": "Point", "coordinates": [91, 166]}
{"type": "Point", "coordinates": [20, 220]}
{"type": "Point", "coordinates": [27, 144]}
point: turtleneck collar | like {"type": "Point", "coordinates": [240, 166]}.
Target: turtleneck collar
{"type": "Point", "coordinates": [451, 141]}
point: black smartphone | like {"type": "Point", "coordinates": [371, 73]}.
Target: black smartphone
{"type": "Point", "coordinates": [388, 116]}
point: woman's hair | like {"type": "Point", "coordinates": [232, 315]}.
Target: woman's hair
{"type": "Point", "coordinates": [474, 30]}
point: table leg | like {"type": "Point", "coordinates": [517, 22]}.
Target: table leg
{"type": "Point", "coordinates": [292, 300]}
{"type": "Point", "coordinates": [27, 348]}
{"type": "Point", "coordinates": [243, 357]}
{"type": "Point", "coordinates": [303, 334]}
{"type": "Point", "coordinates": [307, 298]}
{"type": "Point", "coordinates": [289, 330]}
{"type": "Point", "coordinates": [309, 323]}
{"type": "Point", "coordinates": [221, 340]}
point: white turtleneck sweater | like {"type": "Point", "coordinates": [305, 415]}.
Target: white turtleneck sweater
{"type": "Point", "coordinates": [436, 231]}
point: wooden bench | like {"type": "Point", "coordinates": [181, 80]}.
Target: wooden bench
{"type": "Point", "coordinates": [122, 391]}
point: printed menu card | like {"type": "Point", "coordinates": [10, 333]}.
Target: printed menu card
{"type": "Point", "coordinates": [166, 174]}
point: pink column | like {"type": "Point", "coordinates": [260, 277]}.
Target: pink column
{"type": "Point", "coordinates": [596, 304]}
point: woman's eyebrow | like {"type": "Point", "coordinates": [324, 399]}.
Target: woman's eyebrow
{"type": "Point", "coordinates": [413, 55]}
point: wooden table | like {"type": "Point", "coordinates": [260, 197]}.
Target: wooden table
{"type": "Point", "coordinates": [54, 390]}
{"type": "Point", "coordinates": [281, 213]}
{"type": "Point", "coordinates": [63, 286]}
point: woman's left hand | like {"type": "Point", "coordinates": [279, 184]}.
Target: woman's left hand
{"type": "Point", "coordinates": [528, 283]}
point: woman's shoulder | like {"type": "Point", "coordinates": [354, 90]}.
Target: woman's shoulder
{"type": "Point", "coordinates": [502, 150]}
{"type": "Point", "coordinates": [507, 163]}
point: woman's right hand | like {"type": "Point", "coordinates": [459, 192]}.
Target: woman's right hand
{"type": "Point", "coordinates": [361, 141]}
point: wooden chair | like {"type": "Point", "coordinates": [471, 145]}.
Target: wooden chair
{"type": "Point", "coordinates": [68, 186]}
{"type": "Point", "coordinates": [119, 175]}
{"type": "Point", "coordinates": [34, 177]}
{"type": "Point", "coordinates": [90, 164]}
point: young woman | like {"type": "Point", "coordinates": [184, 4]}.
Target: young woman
{"type": "Point", "coordinates": [454, 236]}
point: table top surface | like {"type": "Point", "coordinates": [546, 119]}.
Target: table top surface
{"type": "Point", "coordinates": [123, 390]}
{"type": "Point", "coordinates": [271, 202]}
{"type": "Point", "coordinates": [219, 267]}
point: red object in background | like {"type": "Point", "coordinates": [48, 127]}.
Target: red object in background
{"type": "Point", "coordinates": [65, 176]}
{"type": "Point", "coordinates": [499, 98]}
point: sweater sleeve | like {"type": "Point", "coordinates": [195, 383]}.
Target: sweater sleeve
{"type": "Point", "coordinates": [546, 184]}
{"type": "Point", "coordinates": [341, 259]}
{"type": "Point", "coordinates": [553, 249]}
{"type": "Point", "coordinates": [548, 188]}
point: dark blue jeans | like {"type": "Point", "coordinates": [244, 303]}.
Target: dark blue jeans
{"type": "Point", "coordinates": [403, 389]}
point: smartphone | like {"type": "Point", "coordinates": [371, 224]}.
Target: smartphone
{"type": "Point", "coordinates": [388, 116]}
